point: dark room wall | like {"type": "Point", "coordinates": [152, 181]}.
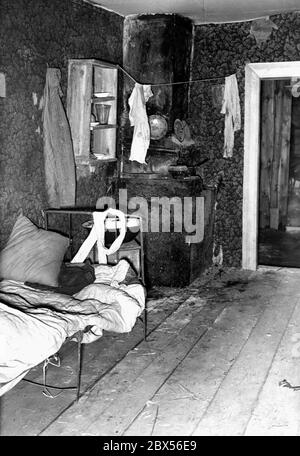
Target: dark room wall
{"type": "Point", "coordinates": [35, 34]}
{"type": "Point", "coordinates": [157, 49]}
{"type": "Point", "coordinates": [221, 50]}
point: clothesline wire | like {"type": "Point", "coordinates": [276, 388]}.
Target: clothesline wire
{"type": "Point", "coordinates": [172, 83]}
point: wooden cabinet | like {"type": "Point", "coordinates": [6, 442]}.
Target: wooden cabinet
{"type": "Point", "coordinates": [92, 92]}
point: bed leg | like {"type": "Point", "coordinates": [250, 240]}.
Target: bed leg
{"type": "Point", "coordinates": [79, 337]}
{"type": "Point", "coordinates": [145, 322]}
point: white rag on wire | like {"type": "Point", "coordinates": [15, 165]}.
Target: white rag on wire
{"type": "Point", "coordinates": [97, 235]}
{"type": "Point", "coordinates": [139, 119]}
{"type": "Point", "coordinates": [231, 109]}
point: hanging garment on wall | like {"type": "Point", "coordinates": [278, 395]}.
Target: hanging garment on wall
{"type": "Point", "coordinates": [97, 235]}
{"type": "Point", "coordinates": [58, 148]}
{"type": "Point", "coordinates": [231, 109]}
{"type": "Point", "coordinates": [295, 90]}
{"type": "Point", "coordinates": [139, 119]}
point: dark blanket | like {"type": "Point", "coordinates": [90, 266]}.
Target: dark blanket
{"type": "Point", "coordinates": [72, 278]}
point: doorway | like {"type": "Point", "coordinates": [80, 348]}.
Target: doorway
{"type": "Point", "coordinates": [254, 74]}
{"type": "Point", "coordinates": [279, 175]}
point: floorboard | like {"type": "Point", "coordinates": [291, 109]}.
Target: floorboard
{"type": "Point", "coordinates": [277, 409]}
{"type": "Point", "coordinates": [211, 365]}
{"type": "Point", "coordinates": [229, 412]}
{"type": "Point", "coordinates": [178, 335]}
{"type": "Point", "coordinates": [178, 406]}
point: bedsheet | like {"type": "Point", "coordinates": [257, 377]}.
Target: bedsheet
{"type": "Point", "coordinates": [34, 323]}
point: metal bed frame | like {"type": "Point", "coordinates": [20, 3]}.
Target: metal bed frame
{"type": "Point", "coordinates": [78, 336]}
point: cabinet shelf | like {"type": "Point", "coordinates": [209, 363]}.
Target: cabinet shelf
{"type": "Point", "coordinates": [103, 127]}
{"type": "Point", "coordinates": [97, 100]}
{"type": "Point", "coordinates": [103, 158]}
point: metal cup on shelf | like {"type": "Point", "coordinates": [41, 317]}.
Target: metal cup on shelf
{"type": "Point", "coordinates": [102, 113]}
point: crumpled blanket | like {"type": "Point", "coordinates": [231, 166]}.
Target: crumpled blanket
{"type": "Point", "coordinates": [71, 279]}
{"type": "Point", "coordinates": [35, 323]}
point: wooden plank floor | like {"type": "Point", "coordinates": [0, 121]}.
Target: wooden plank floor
{"type": "Point", "coordinates": [211, 365]}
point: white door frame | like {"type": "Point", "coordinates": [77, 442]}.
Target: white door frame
{"type": "Point", "coordinates": [254, 72]}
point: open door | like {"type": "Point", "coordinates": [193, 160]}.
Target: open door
{"type": "Point", "coordinates": [276, 110]}
{"type": "Point", "coordinates": [278, 241]}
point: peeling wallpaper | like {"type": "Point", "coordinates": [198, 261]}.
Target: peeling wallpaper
{"type": "Point", "coordinates": [35, 34]}
{"type": "Point", "coordinates": [221, 50]}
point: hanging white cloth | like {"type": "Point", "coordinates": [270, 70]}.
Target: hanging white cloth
{"type": "Point", "coordinates": [139, 119]}
{"type": "Point", "coordinates": [97, 235]}
{"type": "Point", "coordinates": [231, 109]}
